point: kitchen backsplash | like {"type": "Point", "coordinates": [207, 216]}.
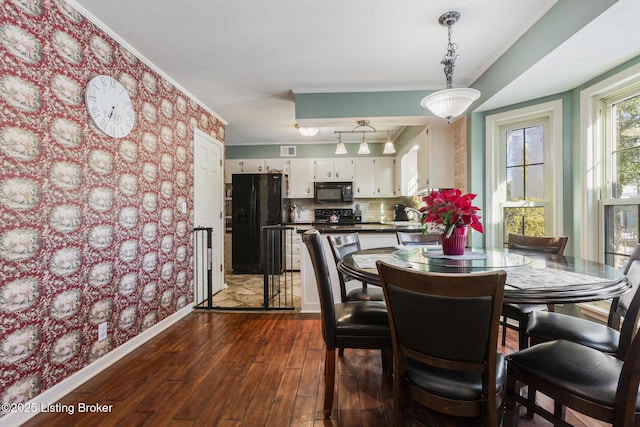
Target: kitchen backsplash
{"type": "Point", "coordinates": [373, 210]}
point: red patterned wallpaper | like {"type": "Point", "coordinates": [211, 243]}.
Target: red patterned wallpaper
{"type": "Point", "coordinates": [91, 227]}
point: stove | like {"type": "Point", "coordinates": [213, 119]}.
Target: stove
{"type": "Point", "coordinates": [334, 216]}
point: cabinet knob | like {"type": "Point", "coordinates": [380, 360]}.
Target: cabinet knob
{"type": "Point", "coordinates": [337, 174]}
{"type": "Point", "coordinates": [259, 168]}
{"type": "Point", "coordinates": [329, 174]}
{"type": "Point", "coordinates": [308, 190]}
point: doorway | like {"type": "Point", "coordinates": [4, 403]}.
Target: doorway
{"type": "Point", "coordinates": [208, 195]}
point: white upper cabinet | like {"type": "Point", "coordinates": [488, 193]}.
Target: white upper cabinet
{"type": "Point", "coordinates": [301, 178]}
{"type": "Point", "coordinates": [374, 177]}
{"type": "Point", "coordinates": [334, 169]}
{"type": "Point", "coordinates": [231, 166]}
{"type": "Point", "coordinates": [427, 161]}
{"type": "Point", "coordinates": [384, 176]}
{"type": "Point", "coordinates": [363, 185]}
{"type": "Point", "coordinates": [253, 166]}
{"type": "Point", "coordinates": [277, 165]}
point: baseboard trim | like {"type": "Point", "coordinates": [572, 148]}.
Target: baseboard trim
{"type": "Point", "coordinates": [64, 387]}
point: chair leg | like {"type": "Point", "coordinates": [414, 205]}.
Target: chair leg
{"type": "Point", "coordinates": [523, 340]}
{"type": "Point", "coordinates": [510, 410]}
{"type": "Point", "coordinates": [504, 331]}
{"type": "Point", "coordinates": [329, 381]}
{"type": "Point", "coordinates": [558, 410]}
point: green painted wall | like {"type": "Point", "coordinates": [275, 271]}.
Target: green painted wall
{"type": "Point", "coordinates": [302, 150]}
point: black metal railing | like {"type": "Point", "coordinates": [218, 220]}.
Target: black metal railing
{"type": "Point", "coordinates": [278, 279]}
{"type": "Point", "coordinates": [202, 258]}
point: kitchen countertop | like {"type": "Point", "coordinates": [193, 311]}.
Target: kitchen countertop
{"type": "Point", "coordinates": [388, 227]}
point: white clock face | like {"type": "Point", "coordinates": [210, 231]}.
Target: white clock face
{"type": "Point", "coordinates": [109, 106]}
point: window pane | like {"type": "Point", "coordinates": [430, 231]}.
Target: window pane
{"type": "Point", "coordinates": [515, 147]}
{"type": "Point", "coordinates": [527, 221]}
{"type": "Point", "coordinates": [535, 183]}
{"type": "Point", "coordinates": [534, 139]}
{"type": "Point", "coordinates": [626, 159]}
{"type": "Point", "coordinates": [621, 233]}
{"type": "Point", "coordinates": [515, 184]}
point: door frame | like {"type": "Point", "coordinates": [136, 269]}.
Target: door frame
{"type": "Point", "coordinates": [217, 245]}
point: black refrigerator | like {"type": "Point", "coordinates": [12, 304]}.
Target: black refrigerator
{"type": "Point", "coordinates": [256, 201]}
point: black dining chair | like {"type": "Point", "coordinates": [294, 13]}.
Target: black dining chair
{"type": "Point", "coordinates": [599, 385]}
{"type": "Point", "coordinates": [548, 326]}
{"type": "Point", "coordinates": [444, 329]}
{"type": "Point", "coordinates": [344, 245]}
{"type": "Point", "coordinates": [352, 324]}
{"type": "Point", "coordinates": [408, 238]}
{"type": "Point", "coordinates": [520, 312]}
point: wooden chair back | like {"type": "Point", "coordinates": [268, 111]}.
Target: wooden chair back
{"type": "Point", "coordinates": [341, 246]}
{"type": "Point", "coordinates": [620, 305]}
{"type": "Point", "coordinates": [552, 245]}
{"type": "Point", "coordinates": [628, 305]}
{"type": "Point", "coordinates": [408, 238]}
{"type": "Point", "coordinates": [313, 241]}
{"type": "Point", "coordinates": [427, 325]}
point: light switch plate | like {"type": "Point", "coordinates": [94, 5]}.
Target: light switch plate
{"type": "Point", "coordinates": [102, 331]}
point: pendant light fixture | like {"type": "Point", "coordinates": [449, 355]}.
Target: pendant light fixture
{"type": "Point", "coordinates": [341, 148]}
{"type": "Point", "coordinates": [362, 127]}
{"type": "Point", "coordinates": [450, 102]}
{"type": "Point", "coordinates": [389, 148]}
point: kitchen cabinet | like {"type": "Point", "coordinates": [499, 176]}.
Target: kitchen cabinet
{"type": "Point", "coordinates": [301, 178]}
{"type": "Point", "coordinates": [235, 166]}
{"type": "Point", "coordinates": [277, 164]}
{"type": "Point", "coordinates": [253, 166]}
{"type": "Point", "coordinates": [293, 246]}
{"type": "Point", "coordinates": [374, 177]}
{"type": "Point", "coordinates": [435, 167]}
{"type": "Point", "coordinates": [334, 169]}
{"type": "Point", "coordinates": [231, 167]}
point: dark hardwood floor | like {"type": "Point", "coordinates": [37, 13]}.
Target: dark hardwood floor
{"type": "Point", "coordinates": [238, 369]}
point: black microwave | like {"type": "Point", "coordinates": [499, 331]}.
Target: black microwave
{"type": "Point", "coordinates": [333, 192]}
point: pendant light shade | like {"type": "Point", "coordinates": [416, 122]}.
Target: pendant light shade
{"type": "Point", "coordinates": [364, 147]}
{"type": "Point", "coordinates": [389, 148]}
{"type": "Point", "coordinates": [341, 148]}
{"type": "Point", "coordinates": [450, 102]}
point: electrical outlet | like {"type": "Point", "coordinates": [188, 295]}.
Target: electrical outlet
{"type": "Point", "coordinates": [102, 331]}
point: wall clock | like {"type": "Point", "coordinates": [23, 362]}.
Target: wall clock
{"type": "Point", "coordinates": [109, 106]}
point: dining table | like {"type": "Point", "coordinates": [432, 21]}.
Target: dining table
{"type": "Point", "coordinates": [532, 277]}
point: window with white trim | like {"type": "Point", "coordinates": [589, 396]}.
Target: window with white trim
{"type": "Point", "coordinates": [621, 204]}
{"type": "Point", "coordinates": [524, 175]}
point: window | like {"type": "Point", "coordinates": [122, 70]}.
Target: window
{"type": "Point", "coordinates": [525, 181]}
{"type": "Point", "coordinates": [622, 170]}
{"type": "Point", "coordinates": [524, 176]}
{"type": "Point", "coordinates": [606, 200]}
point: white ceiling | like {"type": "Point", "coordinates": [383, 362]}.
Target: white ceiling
{"type": "Point", "coordinates": [244, 59]}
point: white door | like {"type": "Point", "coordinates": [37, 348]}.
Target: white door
{"type": "Point", "coordinates": [208, 195]}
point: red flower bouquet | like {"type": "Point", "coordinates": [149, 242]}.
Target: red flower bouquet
{"type": "Point", "coordinates": [450, 209]}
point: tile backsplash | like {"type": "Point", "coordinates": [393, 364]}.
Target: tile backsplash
{"type": "Point", "coordinates": [373, 210]}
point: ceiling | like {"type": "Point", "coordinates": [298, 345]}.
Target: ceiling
{"type": "Point", "coordinates": [246, 59]}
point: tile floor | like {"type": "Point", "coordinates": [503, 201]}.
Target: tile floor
{"type": "Point", "coordinates": [247, 291]}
